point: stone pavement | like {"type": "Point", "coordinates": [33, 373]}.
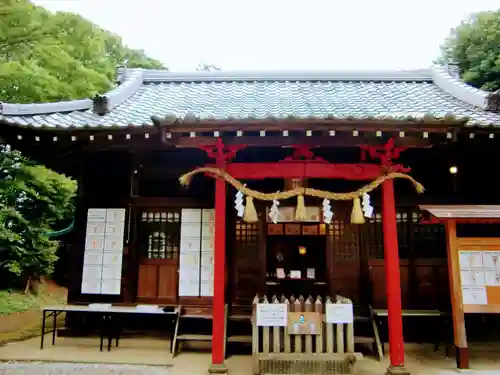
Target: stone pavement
{"type": "Point", "coordinates": [420, 359]}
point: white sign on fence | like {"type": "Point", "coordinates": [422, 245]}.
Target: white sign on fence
{"type": "Point", "coordinates": [272, 315]}
{"type": "Point", "coordinates": [339, 313]}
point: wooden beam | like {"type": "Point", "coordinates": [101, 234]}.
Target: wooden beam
{"type": "Point", "coordinates": [459, 332]}
{"type": "Point", "coordinates": [315, 141]}
{"type": "Point", "coordinates": [434, 126]}
{"type": "Point", "coordinates": [293, 169]}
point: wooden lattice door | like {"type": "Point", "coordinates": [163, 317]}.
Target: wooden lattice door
{"type": "Point", "coordinates": [158, 241]}
{"type": "Point", "coordinates": [343, 256]}
{"type": "Point", "coordinates": [249, 267]}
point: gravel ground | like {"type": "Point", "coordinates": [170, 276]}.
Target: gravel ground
{"type": "Point", "coordinates": [39, 368]}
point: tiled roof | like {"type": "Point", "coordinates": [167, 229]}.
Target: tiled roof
{"type": "Point", "coordinates": [145, 94]}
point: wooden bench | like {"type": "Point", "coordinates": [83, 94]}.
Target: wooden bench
{"type": "Point", "coordinates": [437, 315]}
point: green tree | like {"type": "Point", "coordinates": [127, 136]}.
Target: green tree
{"type": "Point", "coordinates": [33, 199]}
{"type": "Point", "coordinates": [475, 47]}
{"type": "Point", "coordinates": [48, 56]}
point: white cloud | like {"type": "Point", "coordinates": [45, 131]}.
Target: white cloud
{"type": "Point", "coordinates": [281, 34]}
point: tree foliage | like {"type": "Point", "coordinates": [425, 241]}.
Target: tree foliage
{"type": "Point", "coordinates": [48, 56]}
{"type": "Point", "coordinates": [475, 46]}
{"type": "Point", "coordinates": [33, 199]}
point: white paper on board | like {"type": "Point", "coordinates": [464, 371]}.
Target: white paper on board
{"type": "Point", "coordinates": [93, 272]}
{"type": "Point", "coordinates": [492, 277]}
{"type": "Point", "coordinates": [94, 228]}
{"type": "Point", "coordinates": [112, 258]}
{"type": "Point", "coordinates": [96, 215]}
{"type": "Point", "coordinates": [111, 271]}
{"type": "Point", "coordinates": [191, 215]}
{"type": "Point", "coordinates": [491, 260]}
{"type": "Point", "coordinates": [470, 259]}
{"type": "Point", "coordinates": [94, 242]}
{"type": "Point", "coordinates": [91, 286]}
{"type": "Point", "coordinates": [208, 215]}
{"type": "Point", "coordinates": [339, 313]}
{"type": "Point", "coordinates": [115, 215]}
{"type": "Point", "coordinates": [113, 243]}
{"type": "Point", "coordinates": [111, 286]}
{"type": "Point", "coordinates": [272, 315]}
{"type": "Point", "coordinates": [92, 258]}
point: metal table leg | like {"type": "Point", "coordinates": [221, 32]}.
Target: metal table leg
{"type": "Point", "coordinates": [44, 313]}
{"type": "Point", "coordinates": [54, 327]}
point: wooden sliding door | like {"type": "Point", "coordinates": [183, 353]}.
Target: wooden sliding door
{"type": "Point", "coordinates": [158, 242]}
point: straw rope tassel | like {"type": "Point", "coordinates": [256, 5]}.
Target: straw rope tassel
{"type": "Point", "coordinates": [300, 211]}
{"type": "Point", "coordinates": [250, 215]}
{"type": "Point", "coordinates": [357, 216]}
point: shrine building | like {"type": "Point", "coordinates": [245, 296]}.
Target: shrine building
{"type": "Point", "coordinates": [143, 237]}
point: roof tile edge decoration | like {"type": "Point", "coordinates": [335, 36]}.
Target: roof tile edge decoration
{"type": "Point", "coordinates": [131, 80]}
{"type": "Point", "coordinates": [463, 211]}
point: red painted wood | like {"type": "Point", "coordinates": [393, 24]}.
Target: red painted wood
{"type": "Point", "coordinates": [304, 169]}
{"type": "Point", "coordinates": [219, 272]}
{"type": "Point", "coordinates": [392, 275]}
{"type": "Point", "coordinates": [386, 154]}
{"type": "Point", "coordinates": [222, 155]}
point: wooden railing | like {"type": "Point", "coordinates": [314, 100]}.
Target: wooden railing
{"type": "Point", "coordinates": [329, 350]}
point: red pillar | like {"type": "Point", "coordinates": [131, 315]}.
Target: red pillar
{"type": "Point", "coordinates": [218, 323]}
{"type": "Point", "coordinates": [392, 280]}
{"type": "Point", "coordinates": [386, 154]}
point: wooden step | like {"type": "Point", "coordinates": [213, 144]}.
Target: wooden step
{"type": "Point", "coordinates": [240, 338]}
{"type": "Point", "coordinates": [363, 340]}
{"type": "Point", "coordinates": [189, 337]}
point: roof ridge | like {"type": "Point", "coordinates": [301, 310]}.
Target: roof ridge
{"type": "Point", "coordinates": [17, 109]}
{"type": "Point", "coordinates": [164, 76]}
{"type": "Point", "coordinates": [459, 89]}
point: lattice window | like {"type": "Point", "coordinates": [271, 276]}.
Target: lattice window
{"type": "Point", "coordinates": [159, 234]}
{"type": "Point", "coordinates": [430, 241]}
{"type": "Point", "coordinates": [247, 232]}
{"type": "Point", "coordinates": [345, 240]}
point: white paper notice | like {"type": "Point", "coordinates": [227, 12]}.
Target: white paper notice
{"type": "Point", "coordinates": [470, 259]}
{"type": "Point", "coordinates": [94, 242]}
{"type": "Point", "coordinates": [272, 315]}
{"type": "Point", "coordinates": [311, 273]}
{"type": "Point", "coordinates": [492, 277]}
{"type": "Point", "coordinates": [96, 214]}
{"type": "Point", "coordinates": [103, 247]}
{"type": "Point", "coordinates": [208, 215]}
{"type": "Point", "coordinates": [91, 286]}
{"type": "Point", "coordinates": [491, 260]}
{"type": "Point", "coordinates": [114, 215]}
{"type": "Point", "coordinates": [111, 286]}
{"type": "Point", "coordinates": [474, 295]}
{"type": "Point", "coordinates": [339, 313]}
{"type": "Point", "coordinates": [191, 215]}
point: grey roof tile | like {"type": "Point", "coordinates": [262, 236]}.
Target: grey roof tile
{"type": "Point", "coordinates": [144, 94]}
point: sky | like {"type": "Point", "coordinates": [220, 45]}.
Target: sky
{"type": "Point", "coordinates": [281, 34]}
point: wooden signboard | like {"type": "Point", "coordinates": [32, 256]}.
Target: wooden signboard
{"type": "Point", "coordinates": [478, 261]}
{"type": "Point", "coordinates": [304, 323]}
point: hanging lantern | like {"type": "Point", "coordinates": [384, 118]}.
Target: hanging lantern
{"type": "Point", "coordinates": [366, 206]}
{"type": "Point", "coordinates": [327, 211]}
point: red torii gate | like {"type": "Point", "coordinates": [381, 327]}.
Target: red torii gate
{"type": "Point", "coordinates": [310, 167]}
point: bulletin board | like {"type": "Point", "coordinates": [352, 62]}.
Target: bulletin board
{"type": "Point", "coordinates": [478, 261]}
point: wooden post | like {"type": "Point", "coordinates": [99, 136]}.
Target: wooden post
{"type": "Point", "coordinates": [392, 280]}
{"type": "Point", "coordinates": [218, 365]}
{"type": "Point", "coordinates": [457, 311]}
